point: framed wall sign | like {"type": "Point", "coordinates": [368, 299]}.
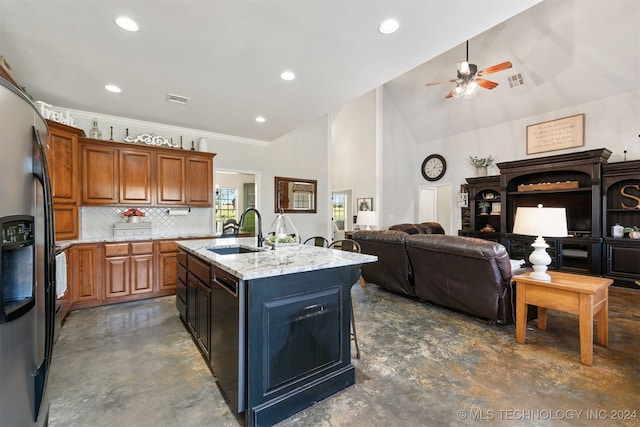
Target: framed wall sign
{"type": "Point", "coordinates": [555, 135]}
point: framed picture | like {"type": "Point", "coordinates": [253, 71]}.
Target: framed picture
{"type": "Point", "coordinates": [365, 204]}
{"type": "Point", "coordinates": [555, 135]}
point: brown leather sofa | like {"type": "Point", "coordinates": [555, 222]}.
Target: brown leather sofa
{"type": "Point", "coordinates": [462, 273]}
{"type": "Point", "coordinates": [392, 270]}
{"type": "Point", "coordinates": [422, 228]}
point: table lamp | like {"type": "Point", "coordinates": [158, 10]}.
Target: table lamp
{"type": "Point", "coordinates": [367, 219]}
{"type": "Point", "coordinates": [540, 221]}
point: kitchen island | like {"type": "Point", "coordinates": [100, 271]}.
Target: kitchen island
{"type": "Point", "coordinates": [273, 324]}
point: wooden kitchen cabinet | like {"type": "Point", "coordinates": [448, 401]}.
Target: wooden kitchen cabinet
{"type": "Point", "coordinates": [128, 269]}
{"type": "Point", "coordinates": [135, 177]}
{"type": "Point", "coordinates": [167, 263]}
{"type": "Point", "coordinates": [126, 174]}
{"type": "Point", "coordinates": [199, 303]}
{"type": "Point", "coordinates": [199, 181]}
{"type": "Point", "coordinates": [62, 158]}
{"type": "Point", "coordinates": [99, 174]}
{"type": "Point", "coordinates": [170, 179]}
{"type": "Point", "coordinates": [65, 218]}
{"type": "Point", "coordinates": [85, 275]}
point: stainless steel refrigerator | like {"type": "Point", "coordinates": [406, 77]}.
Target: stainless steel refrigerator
{"type": "Point", "coordinates": [27, 262]}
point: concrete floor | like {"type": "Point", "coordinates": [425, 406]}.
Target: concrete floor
{"type": "Point", "coordinates": [135, 364]}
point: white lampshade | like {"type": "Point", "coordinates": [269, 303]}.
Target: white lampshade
{"type": "Point", "coordinates": [366, 218]}
{"type": "Point", "coordinates": [540, 221]}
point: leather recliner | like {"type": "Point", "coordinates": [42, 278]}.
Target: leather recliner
{"type": "Point", "coordinates": [462, 273]}
{"type": "Point", "coordinates": [392, 270]}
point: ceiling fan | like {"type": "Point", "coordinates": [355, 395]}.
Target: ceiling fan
{"type": "Point", "coordinates": [468, 80]}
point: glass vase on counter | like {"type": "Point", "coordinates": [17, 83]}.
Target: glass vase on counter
{"type": "Point", "coordinates": [282, 232]}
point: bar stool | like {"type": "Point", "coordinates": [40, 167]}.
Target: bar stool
{"type": "Point", "coordinates": [317, 241]}
{"type": "Point", "coordinates": [349, 246]}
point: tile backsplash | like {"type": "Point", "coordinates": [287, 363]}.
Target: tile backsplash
{"type": "Point", "coordinates": [97, 222]}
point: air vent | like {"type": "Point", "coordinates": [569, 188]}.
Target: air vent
{"type": "Point", "coordinates": [178, 99]}
{"type": "Point", "coordinates": [515, 80]}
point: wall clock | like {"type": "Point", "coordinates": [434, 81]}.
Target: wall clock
{"type": "Point", "coordinates": [433, 167]}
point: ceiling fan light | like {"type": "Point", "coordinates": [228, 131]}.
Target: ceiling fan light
{"type": "Point", "coordinates": [471, 90]}
{"type": "Point", "coordinates": [463, 68]}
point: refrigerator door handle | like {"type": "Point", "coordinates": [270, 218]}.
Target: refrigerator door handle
{"type": "Point", "coordinates": [41, 172]}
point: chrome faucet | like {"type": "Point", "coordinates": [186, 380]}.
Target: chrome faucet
{"type": "Point", "coordinates": [259, 223]}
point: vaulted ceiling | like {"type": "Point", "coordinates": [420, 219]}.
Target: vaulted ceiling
{"type": "Point", "coordinates": [227, 55]}
{"type": "Point", "coordinates": [568, 52]}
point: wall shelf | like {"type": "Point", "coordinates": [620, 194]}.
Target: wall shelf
{"type": "Point", "coordinates": [592, 209]}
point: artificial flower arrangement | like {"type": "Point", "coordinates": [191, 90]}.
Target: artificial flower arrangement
{"type": "Point", "coordinates": [482, 162]}
{"type": "Point", "coordinates": [131, 212]}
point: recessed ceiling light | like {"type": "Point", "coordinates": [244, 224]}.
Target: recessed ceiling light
{"type": "Point", "coordinates": [287, 75]}
{"type": "Point", "coordinates": [113, 88]}
{"type": "Point", "coordinates": [389, 26]}
{"type": "Point", "coordinates": [126, 23]}
{"type": "Point", "coordinates": [260, 119]}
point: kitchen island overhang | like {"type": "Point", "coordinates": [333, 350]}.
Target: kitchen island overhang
{"type": "Point", "coordinates": [281, 341]}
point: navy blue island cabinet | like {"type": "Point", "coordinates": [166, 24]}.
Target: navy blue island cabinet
{"type": "Point", "coordinates": [277, 344]}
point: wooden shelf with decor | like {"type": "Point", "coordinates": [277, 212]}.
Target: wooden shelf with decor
{"type": "Point", "coordinates": [591, 190]}
{"type": "Point", "coordinates": [621, 205]}
{"type": "Point", "coordinates": [485, 190]}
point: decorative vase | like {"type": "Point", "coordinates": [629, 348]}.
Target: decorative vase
{"type": "Point", "coordinates": [482, 171]}
{"type": "Point", "coordinates": [94, 132]}
{"type": "Point", "coordinates": [133, 218]}
{"type": "Point", "coordinates": [617, 231]}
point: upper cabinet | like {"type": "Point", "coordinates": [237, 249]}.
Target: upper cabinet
{"type": "Point", "coordinates": [62, 156]}
{"type": "Point", "coordinates": [199, 182]}
{"type": "Point", "coordinates": [135, 176]}
{"type": "Point", "coordinates": [62, 159]}
{"type": "Point", "coordinates": [128, 174]}
{"type": "Point", "coordinates": [99, 171]}
{"type": "Point", "coordinates": [170, 179]}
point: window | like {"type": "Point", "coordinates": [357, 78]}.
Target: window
{"type": "Point", "coordinates": [302, 200]}
{"type": "Point", "coordinates": [340, 210]}
{"type": "Point", "coordinates": [226, 203]}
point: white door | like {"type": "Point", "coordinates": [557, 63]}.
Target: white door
{"type": "Point", "coordinates": [435, 204]}
{"type": "Point", "coordinates": [428, 204]}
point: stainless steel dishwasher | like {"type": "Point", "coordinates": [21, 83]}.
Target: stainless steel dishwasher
{"type": "Point", "coordinates": [227, 337]}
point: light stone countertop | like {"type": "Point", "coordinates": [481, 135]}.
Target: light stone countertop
{"type": "Point", "coordinates": [64, 244]}
{"type": "Point", "coordinates": [268, 263]}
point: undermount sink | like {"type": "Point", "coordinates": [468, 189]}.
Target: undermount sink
{"type": "Point", "coordinates": [230, 250]}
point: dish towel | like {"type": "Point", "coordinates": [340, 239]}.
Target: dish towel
{"type": "Point", "coordinates": [61, 274]}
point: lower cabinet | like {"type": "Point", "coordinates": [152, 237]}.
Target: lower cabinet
{"type": "Point", "coordinates": [85, 274]}
{"type": "Point", "coordinates": [181, 285]}
{"type": "Point", "coordinates": [167, 259]}
{"type": "Point", "coordinates": [199, 303]}
{"type": "Point", "coordinates": [275, 344]}
{"type": "Point", "coordinates": [622, 261]}
{"type": "Point", "coordinates": [128, 269]}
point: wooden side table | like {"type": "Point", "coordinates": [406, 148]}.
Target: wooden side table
{"type": "Point", "coordinates": [585, 296]}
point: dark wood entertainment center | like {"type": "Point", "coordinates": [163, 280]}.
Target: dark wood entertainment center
{"type": "Point", "coordinates": [596, 194]}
